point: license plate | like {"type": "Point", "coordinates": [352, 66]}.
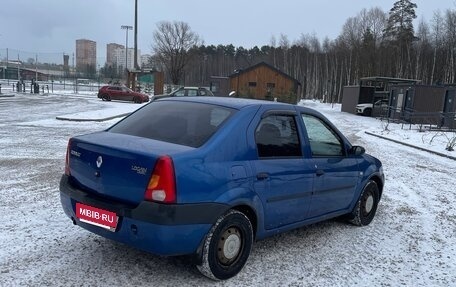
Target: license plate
{"type": "Point", "coordinates": [97, 216]}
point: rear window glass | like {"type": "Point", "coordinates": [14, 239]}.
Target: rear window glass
{"type": "Point", "coordinates": [189, 124]}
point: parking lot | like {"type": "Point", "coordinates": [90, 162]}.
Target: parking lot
{"type": "Point", "coordinates": [411, 241]}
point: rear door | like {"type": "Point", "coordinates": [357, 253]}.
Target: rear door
{"type": "Point", "coordinates": [336, 174]}
{"type": "Point", "coordinates": [115, 93]}
{"type": "Point", "coordinates": [283, 178]}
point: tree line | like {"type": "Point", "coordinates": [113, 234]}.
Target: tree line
{"type": "Point", "coordinates": [372, 43]}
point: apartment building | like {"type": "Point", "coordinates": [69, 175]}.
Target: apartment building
{"type": "Point", "coordinates": [111, 48]}
{"type": "Point", "coordinates": [86, 56]}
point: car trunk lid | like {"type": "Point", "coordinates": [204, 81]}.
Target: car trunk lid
{"type": "Point", "coordinates": [115, 165]}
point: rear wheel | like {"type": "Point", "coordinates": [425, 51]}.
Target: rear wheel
{"type": "Point", "coordinates": [105, 97]}
{"type": "Point", "coordinates": [365, 208]}
{"type": "Point", "coordinates": [227, 246]}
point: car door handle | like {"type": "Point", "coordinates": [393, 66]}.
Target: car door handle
{"type": "Point", "coordinates": [262, 175]}
{"type": "Point", "coordinates": [320, 172]}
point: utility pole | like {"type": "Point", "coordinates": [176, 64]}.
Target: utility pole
{"type": "Point", "coordinates": [136, 35]}
{"type": "Point", "coordinates": [7, 64]}
{"type": "Point", "coordinates": [126, 28]}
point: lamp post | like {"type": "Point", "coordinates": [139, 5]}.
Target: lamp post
{"type": "Point", "coordinates": [126, 28]}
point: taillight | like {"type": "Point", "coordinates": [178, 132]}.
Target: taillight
{"type": "Point", "coordinates": [67, 159]}
{"type": "Point", "coordinates": [162, 184]}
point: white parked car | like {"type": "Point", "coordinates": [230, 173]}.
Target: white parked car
{"type": "Point", "coordinates": [366, 109]}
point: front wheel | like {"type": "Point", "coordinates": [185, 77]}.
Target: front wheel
{"type": "Point", "coordinates": [227, 246]}
{"type": "Point", "coordinates": [365, 208]}
{"type": "Point", "coordinates": [367, 112]}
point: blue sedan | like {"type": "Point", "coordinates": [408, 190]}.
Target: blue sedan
{"type": "Point", "coordinates": [207, 176]}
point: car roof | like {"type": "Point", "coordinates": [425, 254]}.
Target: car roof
{"type": "Point", "coordinates": [236, 103]}
{"type": "Point", "coordinates": [113, 86]}
{"type": "Point", "coordinates": [240, 103]}
{"type": "Point", "coordinates": [192, 88]}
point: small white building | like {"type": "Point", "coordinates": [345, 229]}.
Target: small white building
{"type": "Point", "coordinates": [120, 58]}
{"type": "Point", "coordinates": [145, 60]}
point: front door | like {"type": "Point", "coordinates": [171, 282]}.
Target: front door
{"type": "Point", "coordinates": [449, 109]}
{"type": "Point", "coordinates": [337, 174]}
{"type": "Point", "coordinates": [408, 105]}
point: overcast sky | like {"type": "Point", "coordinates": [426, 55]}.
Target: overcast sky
{"type": "Point", "coordinates": [52, 26]}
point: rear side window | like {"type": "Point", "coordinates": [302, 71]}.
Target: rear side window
{"type": "Point", "coordinates": [277, 136]}
{"type": "Point", "coordinates": [192, 93]}
{"type": "Point", "coordinates": [189, 124]}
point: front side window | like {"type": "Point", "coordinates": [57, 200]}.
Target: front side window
{"type": "Point", "coordinates": [189, 124]}
{"type": "Point", "coordinates": [323, 140]}
{"type": "Point", "coordinates": [277, 136]}
{"type": "Point", "coordinates": [179, 93]}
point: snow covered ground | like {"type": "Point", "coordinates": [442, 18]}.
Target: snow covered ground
{"type": "Point", "coordinates": [411, 242]}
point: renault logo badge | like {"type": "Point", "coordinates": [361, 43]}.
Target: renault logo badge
{"type": "Point", "coordinates": [99, 161]}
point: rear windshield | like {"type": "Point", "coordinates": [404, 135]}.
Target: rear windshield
{"type": "Point", "coordinates": [184, 123]}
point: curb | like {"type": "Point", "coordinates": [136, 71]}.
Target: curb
{"type": "Point", "coordinates": [412, 146]}
{"type": "Point", "coordinates": [92, 120]}
{"type": "Point", "coordinates": [7, 95]}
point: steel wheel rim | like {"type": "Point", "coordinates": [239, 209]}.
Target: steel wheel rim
{"type": "Point", "coordinates": [369, 201]}
{"type": "Point", "coordinates": [229, 246]}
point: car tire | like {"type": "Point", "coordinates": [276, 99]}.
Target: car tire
{"type": "Point", "coordinates": [137, 100]}
{"type": "Point", "coordinates": [105, 97]}
{"type": "Point", "coordinates": [367, 112]}
{"type": "Point", "coordinates": [366, 207]}
{"type": "Point", "coordinates": [227, 246]}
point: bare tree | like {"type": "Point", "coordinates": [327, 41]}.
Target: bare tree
{"type": "Point", "coordinates": [422, 45]}
{"type": "Point", "coordinates": [450, 39]}
{"type": "Point", "coordinates": [172, 43]}
{"type": "Point", "coordinates": [437, 35]}
{"type": "Point", "coordinates": [377, 21]}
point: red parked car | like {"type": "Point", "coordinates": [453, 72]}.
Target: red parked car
{"type": "Point", "coordinates": [107, 93]}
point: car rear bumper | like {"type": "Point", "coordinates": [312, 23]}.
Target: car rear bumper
{"type": "Point", "coordinates": [157, 228]}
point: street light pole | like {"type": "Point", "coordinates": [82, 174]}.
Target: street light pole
{"type": "Point", "coordinates": [135, 60]}
{"type": "Point", "coordinates": [18, 69]}
{"type": "Point", "coordinates": [126, 27]}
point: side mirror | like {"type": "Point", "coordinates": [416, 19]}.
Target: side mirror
{"type": "Point", "coordinates": [357, 150]}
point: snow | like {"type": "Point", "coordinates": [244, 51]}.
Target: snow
{"type": "Point", "coordinates": [411, 242]}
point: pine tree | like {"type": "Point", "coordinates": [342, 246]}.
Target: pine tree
{"type": "Point", "coordinates": [399, 31]}
{"type": "Point", "coordinates": [400, 21]}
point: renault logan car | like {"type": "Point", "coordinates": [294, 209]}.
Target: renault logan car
{"type": "Point", "coordinates": [207, 176]}
{"type": "Point", "coordinates": [121, 93]}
